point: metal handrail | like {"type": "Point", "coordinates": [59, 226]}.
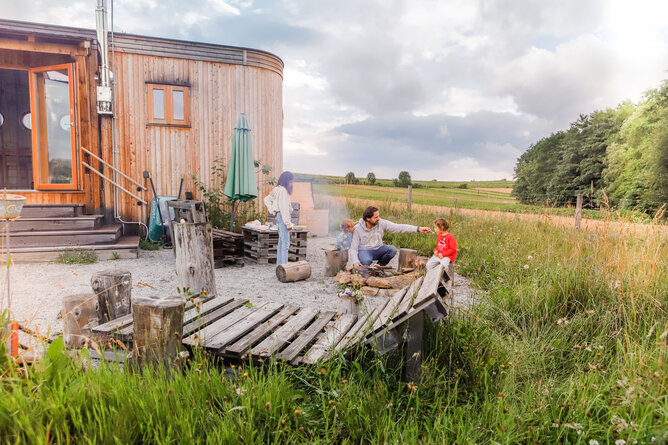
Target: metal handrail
{"type": "Point", "coordinates": [114, 183]}
{"type": "Point", "coordinates": [114, 169]}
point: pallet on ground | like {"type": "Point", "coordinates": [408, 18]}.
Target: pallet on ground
{"type": "Point", "coordinates": [228, 248]}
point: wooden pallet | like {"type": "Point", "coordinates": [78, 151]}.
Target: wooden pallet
{"type": "Point", "coordinates": [234, 329]}
{"type": "Point", "coordinates": [228, 248]}
{"type": "Point", "coordinates": [261, 245]}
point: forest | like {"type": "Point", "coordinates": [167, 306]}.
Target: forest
{"type": "Point", "coordinates": [617, 157]}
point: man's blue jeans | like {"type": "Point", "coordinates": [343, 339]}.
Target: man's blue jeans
{"type": "Point", "coordinates": [383, 255]}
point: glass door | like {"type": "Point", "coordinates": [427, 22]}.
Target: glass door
{"type": "Point", "coordinates": [53, 131]}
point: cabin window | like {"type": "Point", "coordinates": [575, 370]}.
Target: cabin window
{"type": "Point", "coordinates": [168, 105]}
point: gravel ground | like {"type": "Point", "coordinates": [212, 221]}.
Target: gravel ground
{"type": "Point", "coordinates": [38, 289]}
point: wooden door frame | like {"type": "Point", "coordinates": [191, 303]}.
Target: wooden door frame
{"type": "Point", "coordinates": [74, 185]}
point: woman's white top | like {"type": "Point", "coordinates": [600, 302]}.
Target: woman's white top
{"type": "Point", "coordinates": [279, 201]}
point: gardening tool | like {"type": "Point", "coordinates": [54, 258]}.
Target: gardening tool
{"type": "Point", "coordinates": [147, 175]}
{"type": "Point", "coordinates": [180, 188]}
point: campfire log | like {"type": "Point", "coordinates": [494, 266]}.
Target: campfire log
{"type": "Point", "coordinates": [336, 261]}
{"type": "Point", "coordinates": [299, 270]}
{"type": "Point", "coordinates": [407, 259]}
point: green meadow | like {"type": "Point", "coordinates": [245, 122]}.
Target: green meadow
{"type": "Point", "coordinates": [566, 342]}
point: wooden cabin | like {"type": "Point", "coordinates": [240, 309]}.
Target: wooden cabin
{"type": "Point", "coordinates": [175, 104]}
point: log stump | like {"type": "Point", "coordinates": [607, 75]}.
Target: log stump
{"type": "Point", "coordinates": [297, 271]}
{"type": "Point", "coordinates": [158, 331]}
{"type": "Point", "coordinates": [193, 243]}
{"type": "Point", "coordinates": [407, 259]}
{"type": "Point", "coordinates": [336, 260]}
{"type": "Point", "coordinates": [79, 313]}
{"type": "Point", "coordinates": [113, 289]}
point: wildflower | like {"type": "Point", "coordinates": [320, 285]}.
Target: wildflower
{"type": "Point", "coordinates": [390, 405]}
{"type": "Point", "coordinates": [331, 402]}
{"type": "Point", "coordinates": [502, 365]}
{"type": "Point", "coordinates": [240, 391]}
{"type": "Point", "coordinates": [618, 424]}
{"type": "Point", "coordinates": [591, 312]}
{"type": "Point", "coordinates": [510, 363]}
{"type": "Point", "coordinates": [245, 374]}
{"type": "Point", "coordinates": [593, 442]}
{"type": "Point", "coordinates": [620, 442]}
{"type": "Point", "coordinates": [599, 354]}
{"type": "Point", "coordinates": [563, 321]}
{"type": "Point", "coordinates": [282, 421]}
{"type": "Point", "coordinates": [573, 426]}
{"type": "Point", "coordinates": [526, 266]}
{"type": "Point", "coordinates": [298, 412]}
{"type": "Point", "coordinates": [618, 284]}
{"type": "Point", "coordinates": [268, 405]}
{"type": "Point", "coordinates": [412, 387]}
{"type": "Point", "coordinates": [530, 257]}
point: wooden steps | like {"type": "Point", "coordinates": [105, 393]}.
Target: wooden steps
{"type": "Point", "coordinates": [43, 232]}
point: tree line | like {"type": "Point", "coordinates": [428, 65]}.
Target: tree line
{"type": "Point", "coordinates": [618, 156]}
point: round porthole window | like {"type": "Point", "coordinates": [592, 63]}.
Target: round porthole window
{"type": "Point", "coordinates": [65, 123]}
{"type": "Point", "coordinates": [26, 120]}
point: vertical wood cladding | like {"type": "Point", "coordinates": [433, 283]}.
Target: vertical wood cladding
{"type": "Point", "coordinates": [219, 92]}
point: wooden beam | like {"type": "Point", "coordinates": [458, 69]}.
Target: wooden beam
{"type": "Point", "coordinates": [40, 47]}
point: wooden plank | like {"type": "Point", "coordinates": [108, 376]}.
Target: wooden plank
{"type": "Point", "coordinates": [407, 302]}
{"type": "Point", "coordinates": [235, 331]}
{"type": "Point", "coordinates": [208, 306]}
{"type": "Point", "coordinates": [368, 328]}
{"type": "Point", "coordinates": [364, 322]}
{"type": "Point", "coordinates": [285, 333]}
{"type": "Point", "coordinates": [430, 284]}
{"type": "Point", "coordinates": [305, 337]}
{"type": "Point", "coordinates": [197, 323]}
{"type": "Point", "coordinates": [200, 338]}
{"type": "Point", "coordinates": [113, 325]}
{"type": "Point", "coordinates": [333, 335]}
{"type": "Point", "coordinates": [391, 309]}
{"type": "Point", "coordinates": [241, 347]}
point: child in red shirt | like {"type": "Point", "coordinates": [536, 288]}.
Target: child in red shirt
{"type": "Point", "coordinates": [446, 245]}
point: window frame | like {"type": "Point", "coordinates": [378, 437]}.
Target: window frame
{"type": "Point", "coordinates": [168, 103]}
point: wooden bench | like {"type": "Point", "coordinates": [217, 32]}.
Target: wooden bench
{"type": "Point", "coordinates": [234, 329]}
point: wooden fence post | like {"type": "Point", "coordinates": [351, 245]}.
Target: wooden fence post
{"type": "Point", "coordinates": [79, 313]}
{"type": "Point", "coordinates": [578, 211]}
{"type": "Point", "coordinates": [410, 197]}
{"type": "Point", "coordinates": [114, 293]}
{"type": "Point", "coordinates": [193, 243]}
{"type": "Point", "coordinates": [158, 330]}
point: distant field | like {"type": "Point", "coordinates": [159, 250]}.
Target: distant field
{"type": "Point", "coordinates": [431, 184]}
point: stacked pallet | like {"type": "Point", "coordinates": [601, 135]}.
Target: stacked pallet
{"type": "Point", "coordinates": [228, 248]}
{"type": "Point", "coordinates": [261, 246]}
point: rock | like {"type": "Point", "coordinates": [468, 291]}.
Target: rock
{"type": "Point", "coordinates": [367, 290]}
{"type": "Point", "coordinates": [383, 283]}
{"type": "Point", "coordinates": [343, 277]}
{"type": "Point", "coordinates": [358, 280]}
{"type": "Point", "coordinates": [386, 292]}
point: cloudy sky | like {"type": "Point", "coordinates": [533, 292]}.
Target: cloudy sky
{"type": "Point", "coordinates": [448, 90]}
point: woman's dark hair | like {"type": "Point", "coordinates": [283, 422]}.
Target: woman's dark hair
{"type": "Point", "coordinates": [368, 212]}
{"type": "Point", "coordinates": [284, 180]}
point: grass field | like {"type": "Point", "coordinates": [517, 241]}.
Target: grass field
{"type": "Point", "coordinates": [568, 343]}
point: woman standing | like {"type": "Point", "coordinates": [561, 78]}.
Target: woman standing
{"type": "Point", "coordinates": [278, 203]}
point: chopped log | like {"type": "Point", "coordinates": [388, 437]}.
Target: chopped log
{"type": "Point", "coordinates": [79, 315]}
{"type": "Point", "coordinates": [158, 329]}
{"type": "Point", "coordinates": [193, 244]}
{"type": "Point", "coordinates": [336, 260]}
{"type": "Point", "coordinates": [395, 282]}
{"type": "Point", "coordinates": [421, 262]}
{"type": "Point", "coordinates": [407, 259]}
{"type": "Point", "coordinates": [297, 271]}
{"type": "Point", "coordinates": [113, 289]}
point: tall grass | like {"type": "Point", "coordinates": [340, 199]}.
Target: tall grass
{"type": "Point", "coordinates": [567, 344]}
